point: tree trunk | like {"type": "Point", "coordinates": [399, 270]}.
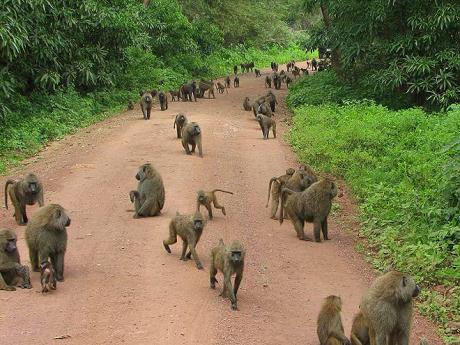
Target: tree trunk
{"type": "Point", "coordinates": [335, 56]}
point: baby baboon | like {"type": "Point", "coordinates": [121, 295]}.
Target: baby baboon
{"type": "Point", "coordinates": [26, 191]}
{"type": "Point", "coordinates": [236, 81]}
{"type": "Point", "coordinates": [271, 99]}
{"type": "Point", "coordinates": [221, 88]}
{"type": "Point", "coordinates": [257, 72]}
{"type": "Point", "coordinates": [229, 260]}
{"type": "Point", "coordinates": [268, 82]}
{"type": "Point", "coordinates": [179, 123]}
{"type": "Point", "coordinates": [146, 103]}
{"type": "Point", "coordinates": [188, 90]}
{"type": "Point", "coordinates": [278, 183]}
{"type": "Point", "coordinates": [206, 198]}
{"type": "Point", "coordinates": [12, 273]}
{"type": "Point", "coordinates": [149, 198]}
{"type": "Point", "coordinates": [329, 325]}
{"type": "Point", "coordinates": [47, 276]}
{"type": "Point", "coordinates": [163, 101]}
{"type": "Point", "coordinates": [175, 95]}
{"type": "Point", "coordinates": [207, 85]}
{"type": "Point", "coordinates": [265, 109]}
{"type": "Point", "coordinates": [189, 228]}
{"type": "Point", "coordinates": [312, 205]}
{"type": "Point", "coordinates": [227, 81]}
{"type": "Point", "coordinates": [359, 330]}
{"type": "Point", "coordinates": [387, 308]}
{"type": "Point", "coordinates": [191, 135]}
{"type": "Point", "coordinates": [247, 104]}
{"type": "Point", "coordinates": [266, 123]}
{"type": "Point", "coordinates": [130, 105]}
{"type": "Point", "coordinates": [46, 237]}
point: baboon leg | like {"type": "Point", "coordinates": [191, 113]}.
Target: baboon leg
{"type": "Point", "coordinates": [145, 209]}
{"type": "Point", "coordinates": [200, 149]}
{"type": "Point", "coordinates": [298, 226]}
{"type": "Point", "coordinates": [148, 113]}
{"type": "Point", "coordinates": [171, 239]}
{"type": "Point", "coordinates": [195, 255]}
{"type": "Point", "coordinates": [193, 147]}
{"type": "Point", "coordinates": [274, 131]}
{"type": "Point", "coordinates": [275, 199]}
{"type": "Point", "coordinates": [179, 135]}
{"type": "Point", "coordinates": [24, 214]}
{"type": "Point", "coordinates": [33, 256]}
{"type": "Point", "coordinates": [212, 275]}
{"type": "Point", "coordinates": [143, 113]}
{"type": "Point", "coordinates": [59, 267]}
{"type": "Point", "coordinates": [230, 292]}
{"type": "Point", "coordinates": [324, 228]}
{"type": "Point", "coordinates": [184, 257]}
{"type": "Point", "coordinates": [220, 207]}
{"type": "Point", "coordinates": [187, 148]}
{"type": "Point", "coordinates": [209, 208]}
{"type": "Point", "coordinates": [238, 278]}
{"type": "Point", "coordinates": [4, 285]}
{"type": "Point", "coordinates": [265, 132]}
{"type": "Point", "coordinates": [317, 230]}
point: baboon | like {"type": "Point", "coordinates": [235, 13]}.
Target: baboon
{"type": "Point", "coordinates": [274, 67]}
{"type": "Point", "coordinates": [188, 90]}
{"type": "Point", "coordinates": [359, 330]}
{"type": "Point", "coordinates": [314, 64]}
{"type": "Point", "coordinates": [288, 81]}
{"type": "Point", "coordinates": [12, 273]}
{"type": "Point", "coordinates": [268, 82]}
{"type": "Point", "coordinates": [250, 66]}
{"type": "Point", "coordinates": [312, 205]}
{"type": "Point", "coordinates": [387, 308]}
{"type": "Point", "coordinates": [149, 198]}
{"type": "Point", "coordinates": [329, 325]}
{"type": "Point", "coordinates": [221, 88]}
{"type": "Point", "coordinates": [257, 72]}
{"type": "Point", "coordinates": [235, 69]}
{"type": "Point", "coordinates": [229, 260]}
{"type": "Point", "coordinates": [189, 228]}
{"type": "Point", "coordinates": [265, 109]}
{"type": "Point", "coordinates": [227, 81]}
{"type": "Point", "coordinates": [304, 71]}
{"type": "Point", "coordinates": [46, 237]}
{"type": "Point", "coordinates": [147, 103]}
{"type": "Point", "coordinates": [257, 102]}
{"type": "Point", "coordinates": [247, 104]}
{"type": "Point", "coordinates": [243, 68]}
{"type": "Point", "coordinates": [236, 81]}
{"type": "Point", "coordinates": [276, 81]}
{"type": "Point", "coordinates": [47, 276]}
{"type": "Point", "coordinates": [290, 65]}
{"type": "Point", "coordinates": [206, 198]}
{"type": "Point", "coordinates": [179, 123]}
{"type": "Point", "coordinates": [296, 72]}
{"type": "Point", "coordinates": [163, 101]}
{"type": "Point", "coordinates": [130, 105]}
{"type": "Point", "coordinates": [207, 85]}
{"type": "Point", "coordinates": [266, 123]}
{"type": "Point", "coordinates": [26, 191]}
{"type": "Point", "coordinates": [175, 95]}
{"type": "Point", "coordinates": [274, 186]}
{"type": "Point", "coordinates": [191, 135]}
{"type": "Point", "coordinates": [271, 99]}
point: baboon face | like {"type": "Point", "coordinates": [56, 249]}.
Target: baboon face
{"type": "Point", "coordinates": [333, 189]}
{"type": "Point", "coordinates": [181, 118]}
{"type": "Point", "coordinates": [195, 130]}
{"type": "Point", "coordinates": [8, 241]}
{"type": "Point", "coordinates": [198, 222]}
{"type": "Point", "coordinates": [61, 218]}
{"type": "Point", "coordinates": [409, 288]}
{"type": "Point", "coordinates": [305, 181]}
{"type": "Point", "coordinates": [201, 196]}
{"type": "Point", "coordinates": [259, 118]}
{"type": "Point", "coordinates": [236, 257]}
{"type": "Point", "coordinates": [32, 184]}
{"type": "Point", "coordinates": [10, 245]}
{"type": "Point", "coordinates": [144, 171]}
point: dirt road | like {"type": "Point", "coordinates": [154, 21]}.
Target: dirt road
{"type": "Point", "coordinates": [122, 287]}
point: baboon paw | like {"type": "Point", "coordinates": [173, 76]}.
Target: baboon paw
{"type": "Point", "coordinates": [60, 279]}
{"type": "Point", "coordinates": [234, 307]}
{"type": "Point", "coordinates": [167, 248]}
{"type": "Point", "coordinates": [200, 266]}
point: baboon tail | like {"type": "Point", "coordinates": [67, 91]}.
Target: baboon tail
{"type": "Point", "coordinates": [8, 182]}
{"type": "Point", "coordinates": [270, 188]}
{"type": "Point", "coordinates": [221, 190]}
{"type": "Point", "coordinates": [283, 191]}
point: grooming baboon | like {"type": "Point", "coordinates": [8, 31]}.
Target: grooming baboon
{"type": "Point", "coordinates": [47, 276]}
{"type": "Point", "coordinates": [206, 198]}
{"type": "Point", "coordinates": [188, 90]}
{"type": "Point", "coordinates": [130, 105]}
{"type": "Point", "coordinates": [179, 123]}
{"type": "Point", "coordinates": [207, 85]}
{"type": "Point", "coordinates": [189, 228]}
{"type": "Point", "coordinates": [268, 82]}
{"type": "Point", "coordinates": [312, 205]}
{"type": "Point", "coordinates": [235, 69]}
{"type": "Point", "coordinates": [266, 123]}
{"type": "Point", "coordinates": [175, 95]}
{"type": "Point", "coordinates": [247, 104]}
{"type": "Point", "coordinates": [257, 72]}
{"type": "Point", "coordinates": [26, 191]}
{"type": "Point", "coordinates": [147, 103]}
{"type": "Point", "coordinates": [329, 325]}
{"type": "Point", "coordinates": [191, 135]}
{"type": "Point", "coordinates": [359, 330]}
{"type": "Point", "coordinates": [163, 101]}
{"type": "Point", "coordinates": [229, 260]}
{"type": "Point", "coordinates": [274, 187]}
{"type": "Point", "coordinates": [271, 99]}
{"type": "Point", "coordinates": [387, 308]}
{"type": "Point", "coordinates": [46, 237]}
{"type": "Point", "coordinates": [227, 81]}
{"type": "Point", "coordinates": [265, 109]}
{"type": "Point", "coordinates": [12, 273]}
{"type": "Point", "coordinates": [236, 81]}
{"type": "Point", "coordinates": [221, 88]}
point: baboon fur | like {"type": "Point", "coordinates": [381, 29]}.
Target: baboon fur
{"type": "Point", "coordinates": [180, 122]}
{"type": "Point", "coordinates": [230, 261]}
{"type": "Point", "coordinates": [149, 198]}
{"type": "Point", "coordinates": [187, 91]}
{"type": "Point", "coordinates": [207, 85]}
{"type": "Point", "coordinates": [424, 341]}
{"type": "Point", "coordinates": [189, 228]}
{"type": "Point", "coordinates": [359, 330]}
{"type": "Point", "coordinates": [175, 95]}
{"type": "Point", "coordinates": [130, 105]}
{"type": "Point", "coordinates": [191, 135]}
{"type": "Point", "coordinates": [26, 191]}
{"type": "Point", "coordinates": [271, 99]}
{"type": "Point", "coordinates": [46, 237]}
{"type": "Point", "coordinates": [206, 198]}
{"type": "Point", "coordinates": [163, 101]}
{"type": "Point", "coordinates": [274, 186]}
{"type": "Point", "coordinates": [329, 325]}
{"type": "Point", "coordinates": [147, 103]}
{"type": "Point", "coordinates": [47, 276]}
{"type": "Point", "coordinates": [12, 273]}
{"type": "Point", "coordinates": [221, 88]}
{"type": "Point", "coordinates": [247, 104]}
{"type": "Point", "coordinates": [227, 81]}
{"type": "Point", "coordinates": [266, 123]}
{"type": "Point", "coordinates": [236, 81]}
{"type": "Point", "coordinates": [312, 205]}
{"type": "Point", "coordinates": [268, 82]}
{"type": "Point", "coordinates": [257, 72]}
{"type": "Point", "coordinates": [387, 308]}
{"type": "Point", "coordinates": [265, 109]}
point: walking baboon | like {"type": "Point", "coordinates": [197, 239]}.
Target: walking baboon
{"type": "Point", "coordinates": [147, 103]}
{"type": "Point", "coordinates": [312, 205]}
{"type": "Point", "coordinates": [191, 135]}
{"type": "Point", "coordinates": [179, 123]}
{"type": "Point", "coordinates": [359, 330]}
{"type": "Point", "coordinates": [188, 90]}
{"type": "Point", "coordinates": [206, 198]}
{"type": "Point", "coordinates": [230, 261]}
{"type": "Point", "coordinates": [227, 81]}
{"type": "Point", "coordinates": [149, 198]}
{"type": "Point", "coordinates": [207, 85]}
{"type": "Point", "coordinates": [268, 82]}
{"type": "Point", "coordinates": [276, 81]}
{"type": "Point", "coordinates": [288, 81]}
{"type": "Point", "coordinates": [387, 308]}
{"type": "Point", "coordinates": [189, 228]}
{"type": "Point", "coordinates": [26, 191]}
{"type": "Point", "coordinates": [175, 95]}
{"type": "Point", "coordinates": [235, 69]}
{"type": "Point", "coordinates": [12, 273]}
{"type": "Point", "coordinates": [257, 72]}
{"type": "Point", "coordinates": [130, 105]}
{"type": "Point", "coordinates": [236, 81]}
{"type": "Point", "coordinates": [274, 186]}
{"type": "Point", "coordinates": [265, 109]}
{"type": "Point", "coordinates": [163, 101]}
{"type": "Point", "coordinates": [266, 123]}
{"type": "Point", "coordinates": [271, 99]}
{"type": "Point", "coordinates": [221, 88]}
{"type": "Point", "coordinates": [247, 104]}
{"type": "Point", "coordinates": [47, 276]}
{"type": "Point", "coordinates": [46, 237]}
{"type": "Point", "coordinates": [329, 325]}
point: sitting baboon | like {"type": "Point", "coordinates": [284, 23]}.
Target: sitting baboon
{"type": "Point", "coordinates": [47, 276]}
{"type": "Point", "coordinates": [227, 81]}
{"type": "Point", "coordinates": [147, 103]}
{"type": "Point", "coordinates": [230, 261]}
{"type": "Point", "coordinates": [265, 109]}
{"type": "Point", "coordinates": [163, 101]}
{"type": "Point", "coordinates": [257, 72]}
{"type": "Point", "coordinates": [188, 90]}
{"type": "Point", "coordinates": [387, 308]}
{"type": "Point", "coordinates": [191, 135]}
{"type": "Point", "coordinates": [235, 69]}
{"type": "Point", "coordinates": [46, 237]}
{"type": "Point", "coordinates": [221, 88]}
{"type": "Point", "coordinates": [26, 191]}
{"type": "Point", "coordinates": [175, 95]}
{"type": "Point", "coordinates": [266, 123]}
{"type": "Point", "coordinates": [179, 123]}
{"type": "Point", "coordinates": [206, 198]}
{"type": "Point", "coordinates": [329, 325]}
{"type": "Point", "coordinates": [130, 105]}
{"type": "Point", "coordinates": [149, 198]}
{"type": "Point", "coordinates": [271, 99]}
{"type": "Point", "coordinates": [12, 273]}
{"type": "Point", "coordinates": [247, 104]}
{"type": "Point", "coordinates": [274, 186]}
{"type": "Point", "coordinates": [359, 330]}
{"type": "Point", "coordinates": [268, 82]}
{"type": "Point", "coordinates": [189, 228]}
{"type": "Point", "coordinates": [207, 85]}
{"type": "Point", "coordinates": [312, 205]}
{"type": "Point", "coordinates": [236, 81]}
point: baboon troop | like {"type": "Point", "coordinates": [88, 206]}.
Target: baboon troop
{"type": "Point", "coordinates": [230, 261]}
{"type": "Point", "coordinates": [47, 276]}
{"type": "Point", "coordinates": [208, 198]}
{"type": "Point", "coordinates": [25, 191]}
{"type": "Point", "coordinates": [329, 325]}
{"type": "Point", "coordinates": [191, 135]}
{"type": "Point", "coordinates": [163, 101]}
{"type": "Point", "coordinates": [179, 123]}
{"type": "Point", "coordinates": [266, 123]}
{"type": "Point", "coordinates": [147, 103]}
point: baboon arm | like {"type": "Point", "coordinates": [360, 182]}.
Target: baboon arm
{"type": "Point", "coordinates": [146, 207]}
{"type": "Point", "coordinates": [229, 288]}
{"type": "Point", "coordinates": [339, 335]}
{"type": "Point", "coordinates": [41, 202]}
